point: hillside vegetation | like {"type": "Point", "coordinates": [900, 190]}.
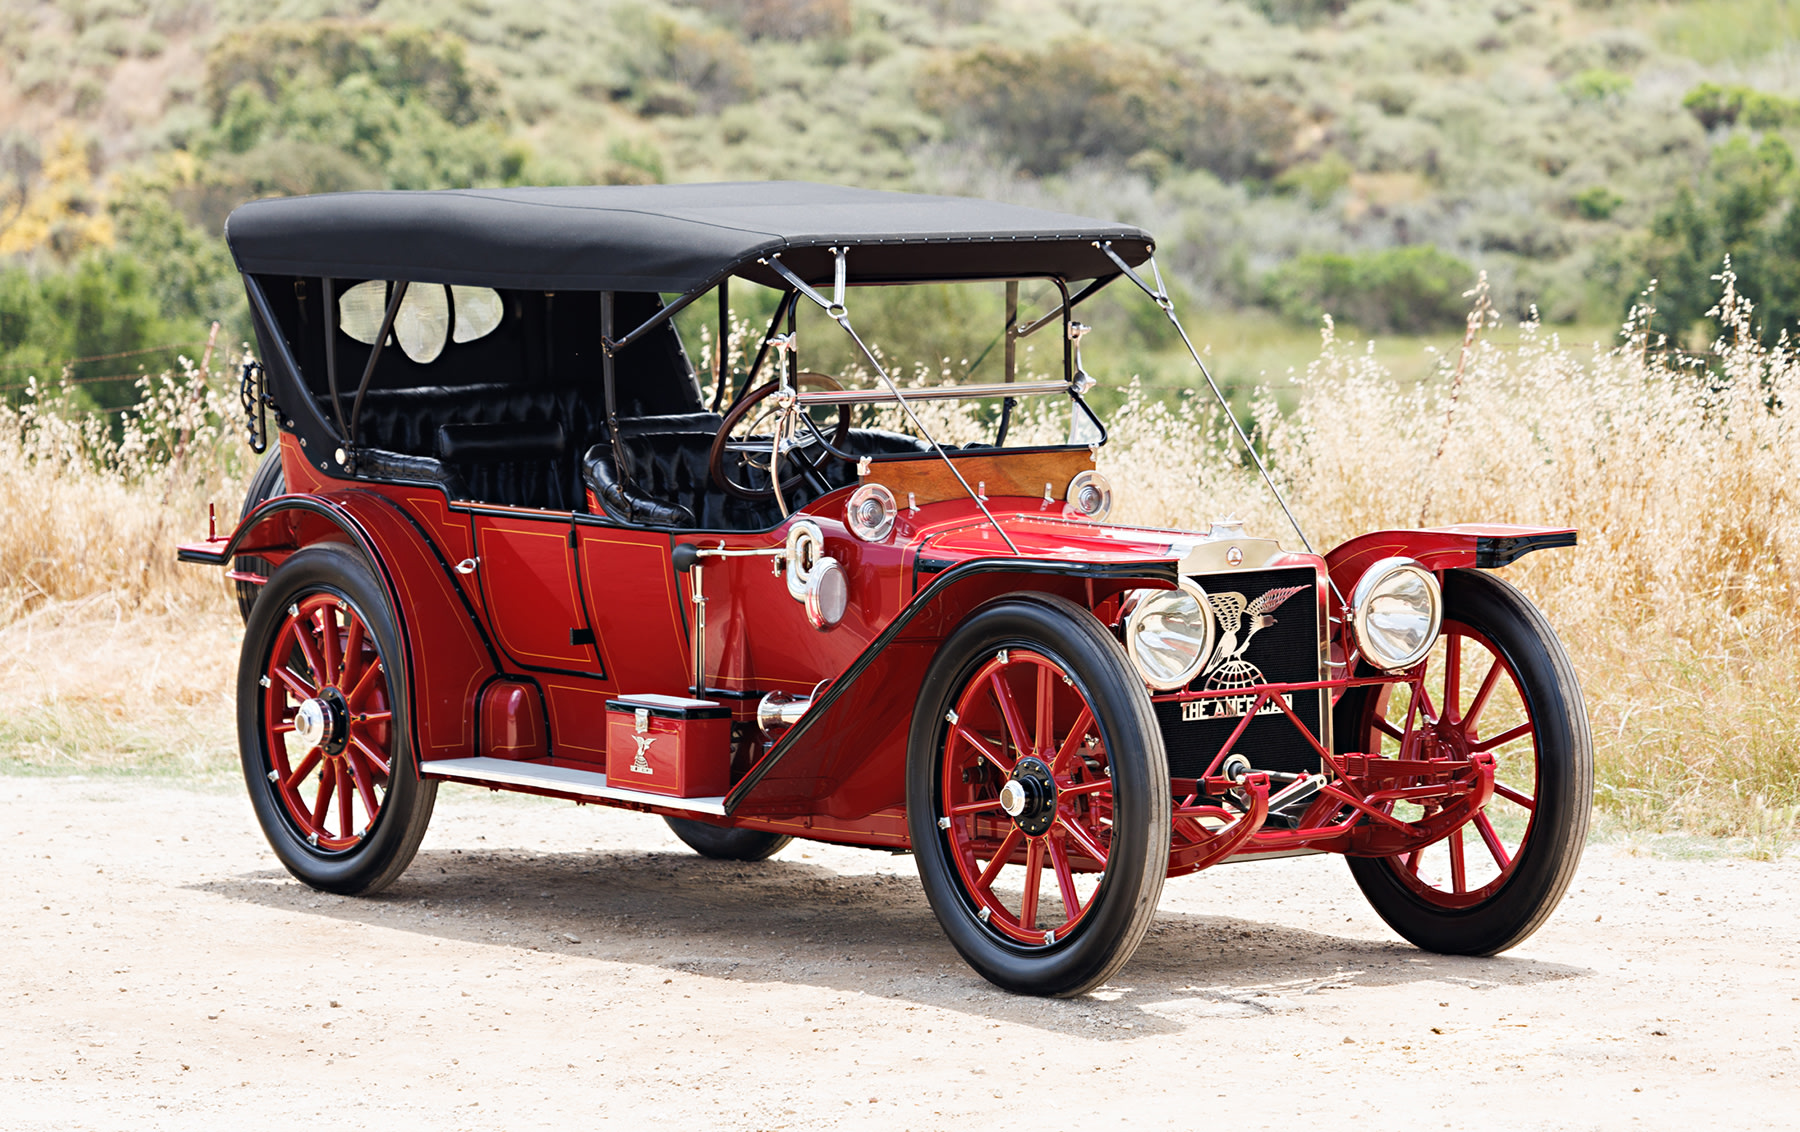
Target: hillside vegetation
{"type": "Point", "coordinates": [1294, 157]}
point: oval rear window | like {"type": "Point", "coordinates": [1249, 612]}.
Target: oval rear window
{"type": "Point", "coordinates": [478, 312]}
{"type": "Point", "coordinates": [423, 324]}
{"type": "Point", "coordinates": [360, 310]}
{"type": "Point", "coordinates": [430, 315]}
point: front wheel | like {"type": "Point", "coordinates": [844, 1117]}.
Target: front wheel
{"type": "Point", "coordinates": [1038, 797]}
{"type": "Point", "coordinates": [1497, 682]}
{"type": "Point", "coordinates": [323, 726]}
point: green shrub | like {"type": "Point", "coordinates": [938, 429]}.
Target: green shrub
{"type": "Point", "coordinates": [1598, 84]}
{"type": "Point", "coordinates": [331, 106]}
{"type": "Point", "coordinates": [103, 304]}
{"type": "Point", "coordinates": [792, 20]}
{"type": "Point", "coordinates": [1318, 181]}
{"type": "Point", "coordinates": [1407, 289]}
{"type": "Point", "coordinates": [1770, 111]}
{"type": "Point", "coordinates": [680, 67]}
{"type": "Point", "coordinates": [1597, 202]}
{"type": "Point", "coordinates": [413, 62]}
{"type": "Point", "coordinates": [1049, 108]}
{"type": "Point", "coordinates": [1743, 208]}
{"type": "Point", "coordinates": [1713, 105]}
{"type": "Point", "coordinates": [1300, 11]}
{"type": "Point", "coordinates": [709, 62]}
{"type": "Point", "coordinates": [188, 270]}
{"type": "Point", "coordinates": [1394, 97]}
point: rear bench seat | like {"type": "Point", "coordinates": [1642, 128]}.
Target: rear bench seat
{"type": "Point", "coordinates": [492, 443]}
{"type": "Point", "coordinates": [519, 447]}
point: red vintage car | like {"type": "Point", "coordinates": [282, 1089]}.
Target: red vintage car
{"type": "Point", "coordinates": [505, 540]}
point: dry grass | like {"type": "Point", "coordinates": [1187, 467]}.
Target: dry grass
{"type": "Point", "coordinates": [1679, 606]}
{"type": "Point", "coordinates": [113, 657]}
{"type": "Point", "coordinates": [91, 508]}
{"type": "Point", "coordinates": [95, 686]}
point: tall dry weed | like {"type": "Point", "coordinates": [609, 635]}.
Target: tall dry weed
{"type": "Point", "coordinates": [1679, 607]}
{"type": "Point", "coordinates": [91, 509]}
{"type": "Point", "coordinates": [111, 654]}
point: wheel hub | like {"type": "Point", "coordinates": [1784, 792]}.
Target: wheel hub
{"type": "Point", "coordinates": [1447, 739]}
{"type": "Point", "coordinates": [322, 721]}
{"type": "Point", "coordinates": [1012, 799]}
{"type": "Point", "coordinates": [1029, 796]}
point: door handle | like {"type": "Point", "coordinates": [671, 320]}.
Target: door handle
{"type": "Point", "coordinates": [467, 565]}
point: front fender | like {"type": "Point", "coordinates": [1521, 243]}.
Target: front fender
{"type": "Point", "coordinates": [448, 657]}
{"type": "Point", "coordinates": [846, 758]}
{"type": "Point", "coordinates": [1485, 546]}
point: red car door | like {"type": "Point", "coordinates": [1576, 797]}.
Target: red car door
{"type": "Point", "coordinates": [533, 594]}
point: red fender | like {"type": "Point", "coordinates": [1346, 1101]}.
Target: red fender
{"type": "Point", "coordinates": [448, 658]}
{"type": "Point", "coordinates": [846, 758]}
{"type": "Point", "coordinates": [1485, 546]}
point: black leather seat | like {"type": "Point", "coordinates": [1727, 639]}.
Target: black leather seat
{"type": "Point", "coordinates": [520, 463]}
{"type": "Point", "coordinates": [381, 464]}
{"type": "Point", "coordinates": [506, 419]}
{"type": "Point", "coordinates": [497, 443]}
{"type": "Point", "coordinates": [669, 483]}
{"type": "Point", "coordinates": [518, 446]}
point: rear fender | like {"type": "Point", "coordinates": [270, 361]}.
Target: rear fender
{"type": "Point", "coordinates": [1484, 546]}
{"type": "Point", "coordinates": [846, 758]}
{"type": "Point", "coordinates": [448, 657]}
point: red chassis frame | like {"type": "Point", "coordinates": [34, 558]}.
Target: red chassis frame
{"type": "Point", "coordinates": [836, 776]}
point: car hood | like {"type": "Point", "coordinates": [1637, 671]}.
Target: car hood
{"type": "Point", "coordinates": [950, 541]}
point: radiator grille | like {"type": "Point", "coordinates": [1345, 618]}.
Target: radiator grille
{"type": "Point", "coordinates": [1286, 651]}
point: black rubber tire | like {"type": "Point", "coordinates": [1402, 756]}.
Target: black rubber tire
{"type": "Point", "coordinates": [1547, 862]}
{"type": "Point", "coordinates": [725, 844]}
{"type": "Point", "coordinates": [1126, 899]}
{"type": "Point", "coordinates": [265, 483]}
{"type": "Point", "coordinates": [393, 839]}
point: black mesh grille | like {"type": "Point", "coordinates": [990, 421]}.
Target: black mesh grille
{"type": "Point", "coordinates": [1284, 652]}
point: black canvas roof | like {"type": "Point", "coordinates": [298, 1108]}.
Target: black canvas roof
{"type": "Point", "coordinates": [668, 238]}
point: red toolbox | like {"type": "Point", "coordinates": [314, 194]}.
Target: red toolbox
{"type": "Point", "coordinates": [668, 745]}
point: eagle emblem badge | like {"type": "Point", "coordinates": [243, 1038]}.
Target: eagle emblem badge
{"type": "Point", "coordinates": [1240, 619]}
{"type": "Point", "coordinates": [639, 764]}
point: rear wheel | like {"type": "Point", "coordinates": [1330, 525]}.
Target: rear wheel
{"type": "Point", "coordinates": [265, 483]}
{"type": "Point", "coordinates": [1038, 797]}
{"type": "Point", "coordinates": [1497, 682]}
{"type": "Point", "coordinates": [323, 726]}
{"type": "Point", "coordinates": [724, 844]}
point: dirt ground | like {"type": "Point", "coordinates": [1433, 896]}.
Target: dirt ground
{"type": "Point", "coordinates": [548, 966]}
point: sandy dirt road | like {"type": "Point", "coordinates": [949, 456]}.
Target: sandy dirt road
{"type": "Point", "coordinates": [544, 966]}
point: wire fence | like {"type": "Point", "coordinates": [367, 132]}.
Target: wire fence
{"type": "Point", "coordinates": [61, 367]}
{"type": "Point", "coordinates": [64, 378]}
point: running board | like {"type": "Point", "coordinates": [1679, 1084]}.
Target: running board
{"type": "Point", "coordinates": [563, 780]}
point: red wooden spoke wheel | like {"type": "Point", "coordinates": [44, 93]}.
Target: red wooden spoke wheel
{"type": "Point", "coordinates": [1497, 682]}
{"type": "Point", "coordinates": [1038, 796]}
{"type": "Point", "coordinates": [1472, 701]}
{"type": "Point", "coordinates": [330, 721]}
{"type": "Point", "coordinates": [1029, 797]}
{"type": "Point", "coordinates": [322, 725]}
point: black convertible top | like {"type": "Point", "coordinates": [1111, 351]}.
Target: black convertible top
{"type": "Point", "coordinates": [668, 238]}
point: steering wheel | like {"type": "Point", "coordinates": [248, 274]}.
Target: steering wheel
{"type": "Point", "coordinates": [750, 451]}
